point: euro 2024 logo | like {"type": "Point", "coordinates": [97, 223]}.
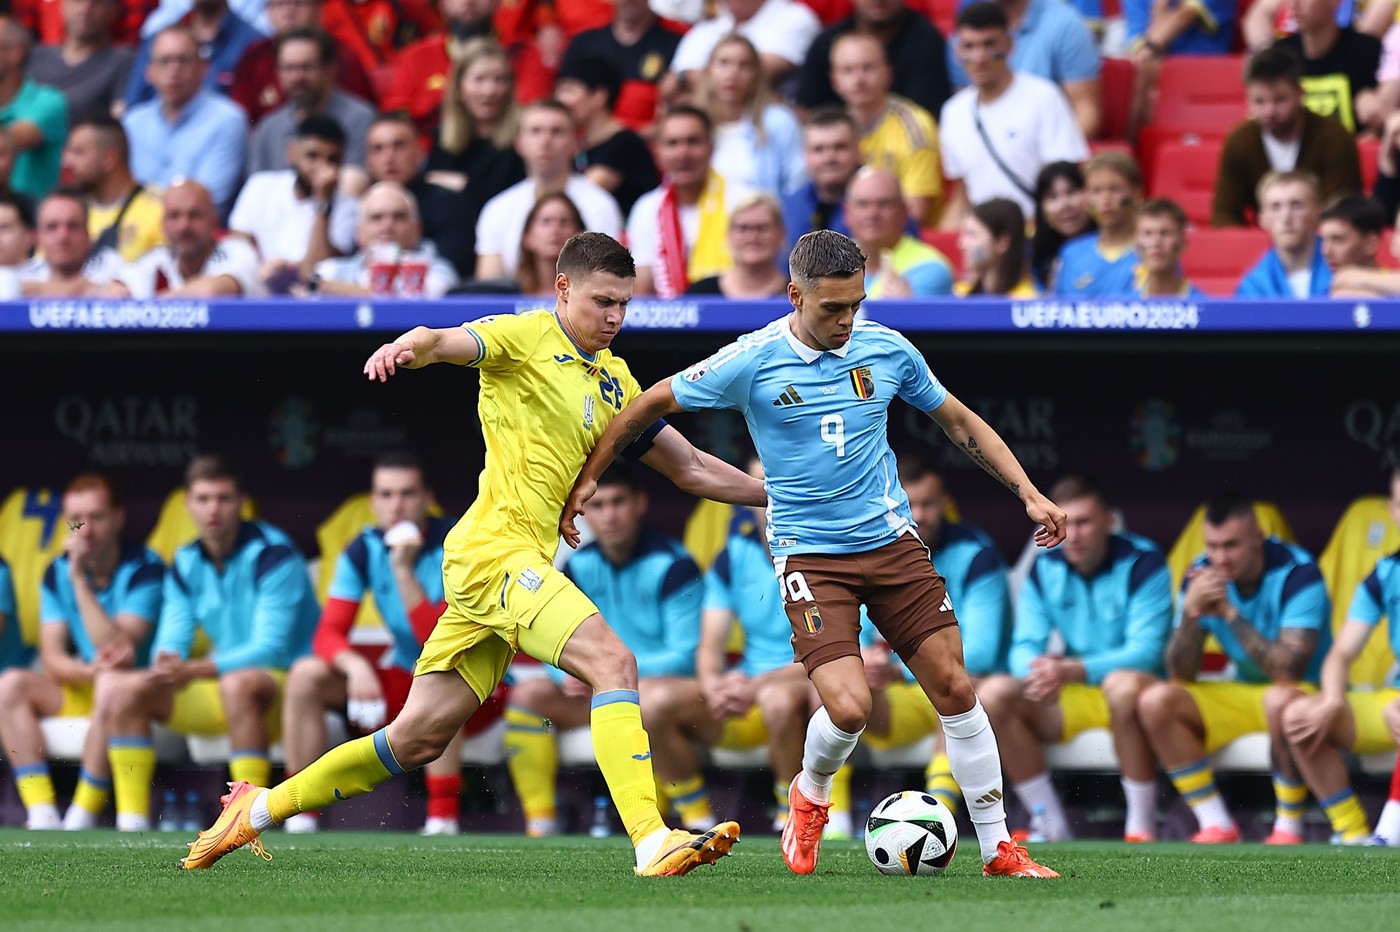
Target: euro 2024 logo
{"type": "Point", "coordinates": [1154, 434]}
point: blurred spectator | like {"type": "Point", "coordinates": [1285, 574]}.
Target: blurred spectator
{"type": "Point", "coordinates": [177, 12]}
{"type": "Point", "coordinates": [86, 67]}
{"type": "Point", "coordinates": [187, 131]}
{"type": "Point", "coordinates": [16, 241]}
{"type": "Point", "coordinates": [900, 135]}
{"type": "Point", "coordinates": [1350, 229]}
{"type": "Point", "coordinates": [220, 38]}
{"type": "Point", "coordinates": [298, 216]}
{"type": "Point", "coordinates": [1356, 281]}
{"type": "Point", "coordinates": [374, 29]}
{"type": "Point", "coordinates": [122, 214]}
{"type": "Point", "coordinates": [640, 47]}
{"type": "Point", "coordinates": [393, 153]}
{"type": "Point", "coordinates": [913, 47]}
{"type": "Point", "coordinates": [551, 222]}
{"type": "Point", "coordinates": [1266, 21]}
{"type": "Point", "coordinates": [1388, 167]}
{"type": "Point", "coordinates": [831, 152]}
{"type": "Point", "coordinates": [996, 134]}
{"type": "Point", "coordinates": [475, 147]}
{"type": "Point", "coordinates": [679, 232]}
{"type": "Point", "coordinates": [757, 143]}
{"type": "Point", "coordinates": [755, 238]}
{"type": "Point", "coordinates": [1281, 135]}
{"type": "Point", "coordinates": [193, 262]}
{"type": "Point", "coordinates": [66, 264]}
{"type": "Point", "coordinates": [1293, 267]}
{"type": "Point", "coordinates": [1061, 214]}
{"type": "Point", "coordinates": [781, 30]}
{"type": "Point", "coordinates": [1339, 66]}
{"type": "Point", "coordinates": [46, 20]}
{"type": "Point", "coordinates": [34, 117]}
{"type": "Point", "coordinates": [306, 67]}
{"type": "Point", "coordinates": [1050, 40]}
{"type": "Point", "coordinates": [897, 264]}
{"type": "Point", "coordinates": [256, 87]}
{"type": "Point", "coordinates": [1158, 28]}
{"type": "Point", "coordinates": [993, 245]}
{"type": "Point", "coordinates": [547, 143]}
{"type": "Point", "coordinates": [388, 222]}
{"type": "Point", "coordinates": [1100, 264]}
{"type": "Point", "coordinates": [614, 157]}
{"type": "Point", "coordinates": [1161, 239]}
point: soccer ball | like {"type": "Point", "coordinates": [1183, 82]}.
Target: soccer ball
{"type": "Point", "coordinates": [911, 834]}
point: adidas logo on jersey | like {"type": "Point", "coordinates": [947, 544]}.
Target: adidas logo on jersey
{"type": "Point", "coordinates": [788, 397]}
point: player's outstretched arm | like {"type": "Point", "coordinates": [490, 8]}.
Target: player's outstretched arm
{"type": "Point", "coordinates": [423, 346]}
{"type": "Point", "coordinates": [700, 473]}
{"type": "Point", "coordinates": [985, 447]}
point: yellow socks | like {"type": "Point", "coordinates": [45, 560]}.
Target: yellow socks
{"type": "Point", "coordinates": [250, 765]}
{"type": "Point", "coordinates": [133, 768]}
{"type": "Point", "coordinates": [691, 801]}
{"type": "Point", "coordinates": [623, 752]}
{"type": "Point", "coordinates": [1347, 816]}
{"type": "Point", "coordinates": [938, 779]}
{"type": "Point", "coordinates": [92, 793]}
{"type": "Point", "coordinates": [533, 760]}
{"type": "Point", "coordinates": [1290, 804]}
{"type": "Point", "coordinates": [35, 787]}
{"type": "Point", "coordinates": [1196, 784]}
{"type": "Point", "coordinates": [344, 772]}
{"type": "Point", "coordinates": [841, 789]}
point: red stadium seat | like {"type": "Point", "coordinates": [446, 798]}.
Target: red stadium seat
{"type": "Point", "coordinates": [1369, 148]}
{"type": "Point", "coordinates": [946, 242]}
{"type": "Point", "coordinates": [942, 12]}
{"type": "Point", "coordinates": [1216, 260]}
{"type": "Point", "coordinates": [1186, 174]}
{"type": "Point", "coordinates": [1116, 82]}
{"type": "Point", "coordinates": [1199, 98]}
{"type": "Point", "coordinates": [1097, 146]}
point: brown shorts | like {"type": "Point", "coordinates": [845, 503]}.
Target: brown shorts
{"type": "Point", "coordinates": [822, 595]}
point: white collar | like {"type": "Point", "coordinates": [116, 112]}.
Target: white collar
{"type": "Point", "coordinates": [805, 352]}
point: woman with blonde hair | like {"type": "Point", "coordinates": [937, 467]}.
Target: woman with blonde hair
{"type": "Point", "coordinates": [476, 140]}
{"type": "Point", "coordinates": [756, 236]}
{"type": "Point", "coordinates": [548, 226]}
{"type": "Point", "coordinates": [758, 143]}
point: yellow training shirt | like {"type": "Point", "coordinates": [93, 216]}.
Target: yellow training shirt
{"type": "Point", "coordinates": [543, 405]}
{"type": "Point", "coordinates": [904, 141]}
{"type": "Point", "coordinates": [142, 225]}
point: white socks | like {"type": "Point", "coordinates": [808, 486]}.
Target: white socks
{"type": "Point", "coordinates": [647, 848]}
{"type": "Point", "coordinates": [131, 822]}
{"type": "Point", "coordinates": [1388, 825]}
{"type": "Point", "coordinates": [1212, 811]}
{"type": "Point", "coordinates": [258, 815]}
{"type": "Point", "coordinates": [1141, 797]}
{"type": "Point", "coordinates": [826, 749]}
{"type": "Point", "coordinates": [1038, 794]}
{"type": "Point", "coordinates": [976, 766]}
{"type": "Point", "coordinates": [43, 817]}
{"type": "Point", "coordinates": [78, 819]}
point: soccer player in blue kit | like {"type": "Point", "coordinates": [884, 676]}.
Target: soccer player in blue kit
{"type": "Point", "coordinates": [815, 389]}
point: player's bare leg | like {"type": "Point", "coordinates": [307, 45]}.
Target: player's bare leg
{"type": "Point", "coordinates": [444, 782]}
{"type": "Point", "coordinates": [1121, 690]}
{"type": "Point", "coordinates": [25, 697]}
{"type": "Point", "coordinates": [1388, 825]}
{"type": "Point", "coordinates": [1323, 769]}
{"type": "Point", "coordinates": [313, 687]}
{"type": "Point", "coordinates": [972, 751]}
{"type": "Point", "coordinates": [538, 711]}
{"type": "Point", "coordinates": [1174, 728]}
{"type": "Point", "coordinates": [94, 790]}
{"type": "Point", "coordinates": [1023, 728]}
{"type": "Point", "coordinates": [1290, 791]}
{"type": "Point", "coordinates": [676, 717]}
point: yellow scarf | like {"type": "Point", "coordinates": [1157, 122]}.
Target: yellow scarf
{"type": "Point", "coordinates": [709, 255]}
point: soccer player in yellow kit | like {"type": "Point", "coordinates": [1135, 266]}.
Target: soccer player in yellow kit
{"type": "Point", "coordinates": [549, 386]}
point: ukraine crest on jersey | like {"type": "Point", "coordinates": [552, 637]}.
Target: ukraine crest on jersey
{"type": "Point", "coordinates": [818, 421]}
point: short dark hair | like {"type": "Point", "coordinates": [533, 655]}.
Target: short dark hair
{"type": "Point", "coordinates": [983, 15]}
{"type": "Point", "coordinates": [322, 127]}
{"type": "Point", "coordinates": [23, 207]}
{"type": "Point", "coordinates": [400, 459]}
{"type": "Point", "coordinates": [325, 46]}
{"type": "Point", "coordinates": [1273, 64]}
{"type": "Point", "coordinates": [212, 467]}
{"type": "Point", "coordinates": [549, 105]}
{"type": "Point", "coordinates": [589, 252]}
{"type": "Point", "coordinates": [1363, 213]}
{"type": "Point", "coordinates": [1164, 207]}
{"type": "Point", "coordinates": [66, 194]}
{"type": "Point", "coordinates": [110, 130]}
{"type": "Point", "coordinates": [1227, 505]}
{"type": "Point", "coordinates": [686, 110]}
{"type": "Point", "coordinates": [824, 254]}
{"type": "Point", "coordinates": [595, 73]}
{"type": "Point", "coordinates": [1076, 486]}
{"type": "Point", "coordinates": [914, 468]}
{"type": "Point", "coordinates": [620, 474]}
{"type": "Point", "coordinates": [831, 115]}
{"type": "Point", "coordinates": [87, 481]}
{"type": "Point", "coordinates": [394, 118]}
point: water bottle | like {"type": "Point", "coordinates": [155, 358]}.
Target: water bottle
{"type": "Point", "coordinates": [1037, 833]}
{"type": "Point", "coordinates": [193, 815]}
{"type": "Point", "coordinates": [169, 816]}
{"type": "Point", "coordinates": [602, 822]}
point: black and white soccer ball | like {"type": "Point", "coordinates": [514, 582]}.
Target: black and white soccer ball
{"type": "Point", "coordinates": [911, 834]}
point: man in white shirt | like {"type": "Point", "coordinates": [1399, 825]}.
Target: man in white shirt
{"type": "Point", "coordinates": [298, 216]}
{"type": "Point", "coordinates": [548, 143]}
{"type": "Point", "coordinates": [390, 235]}
{"type": "Point", "coordinates": [781, 30]}
{"type": "Point", "coordinates": [998, 132]}
{"type": "Point", "coordinates": [66, 265]}
{"type": "Point", "coordinates": [193, 262]}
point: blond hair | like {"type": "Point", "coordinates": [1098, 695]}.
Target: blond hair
{"type": "Point", "coordinates": [759, 97]}
{"type": "Point", "coordinates": [457, 131]}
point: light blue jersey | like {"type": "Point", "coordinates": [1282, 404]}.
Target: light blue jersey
{"type": "Point", "coordinates": [1291, 594]}
{"type": "Point", "coordinates": [1378, 596]}
{"type": "Point", "coordinates": [13, 651]}
{"type": "Point", "coordinates": [742, 582]}
{"type": "Point", "coordinates": [259, 611]}
{"type": "Point", "coordinates": [1117, 619]}
{"type": "Point", "coordinates": [135, 589]}
{"type": "Point", "coordinates": [364, 566]}
{"type": "Point", "coordinates": [818, 421]}
{"type": "Point", "coordinates": [1087, 272]}
{"type": "Point", "coordinates": [652, 601]}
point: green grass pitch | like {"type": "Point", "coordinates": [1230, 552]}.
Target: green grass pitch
{"type": "Point", "coordinates": [351, 881]}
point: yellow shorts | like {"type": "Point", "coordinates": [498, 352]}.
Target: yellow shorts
{"type": "Point", "coordinates": [742, 732]}
{"type": "Point", "coordinates": [199, 709]}
{"type": "Point", "coordinates": [1083, 707]}
{"type": "Point", "coordinates": [1372, 737]}
{"type": "Point", "coordinates": [1231, 710]}
{"type": "Point", "coordinates": [77, 700]}
{"type": "Point", "coordinates": [912, 718]}
{"type": "Point", "coordinates": [497, 604]}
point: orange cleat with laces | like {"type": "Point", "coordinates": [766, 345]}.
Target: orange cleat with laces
{"type": "Point", "coordinates": [1014, 861]}
{"type": "Point", "coordinates": [802, 834]}
{"type": "Point", "coordinates": [230, 831]}
{"type": "Point", "coordinates": [1215, 835]}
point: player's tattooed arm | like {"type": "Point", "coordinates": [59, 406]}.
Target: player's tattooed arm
{"type": "Point", "coordinates": [1183, 654]}
{"type": "Point", "coordinates": [974, 452]}
{"type": "Point", "coordinates": [632, 430]}
{"type": "Point", "coordinates": [1284, 660]}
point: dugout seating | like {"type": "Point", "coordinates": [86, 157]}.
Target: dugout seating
{"type": "Point", "coordinates": [1364, 534]}
{"type": "Point", "coordinates": [31, 536]}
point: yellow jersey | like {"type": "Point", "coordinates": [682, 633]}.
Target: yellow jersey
{"type": "Point", "coordinates": [142, 225]}
{"type": "Point", "coordinates": [904, 141]}
{"type": "Point", "coordinates": [543, 405]}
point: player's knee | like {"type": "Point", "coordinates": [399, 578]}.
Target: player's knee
{"type": "Point", "coordinates": [1121, 690]}
{"type": "Point", "coordinates": [14, 689]}
{"type": "Point", "coordinates": [1160, 703]}
{"type": "Point", "coordinates": [1277, 698]}
{"type": "Point", "coordinates": [247, 689]}
{"type": "Point", "coordinates": [665, 699]}
{"type": "Point", "coordinates": [999, 694]}
{"type": "Point", "coordinates": [533, 695]}
{"type": "Point", "coordinates": [782, 708]}
{"type": "Point", "coordinates": [849, 710]}
{"type": "Point", "coordinates": [1293, 714]}
{"type": "Point", "coordinates": [612, 666]}
{"type": "Point", "coordinates": [122, 695]}
{"type": "Point", "coordinates": [421, 745]}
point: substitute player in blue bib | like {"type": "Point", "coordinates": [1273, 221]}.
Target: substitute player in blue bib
{"type": "Point", "coordinates": [815, 389]}
{"type": "Point", "coordinates": [98, 604]}
{"type": "Point", "coordinates": [1265, 602]}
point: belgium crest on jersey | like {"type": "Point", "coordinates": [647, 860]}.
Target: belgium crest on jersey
{"type": "Point", "coordinates": [863, 383]}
